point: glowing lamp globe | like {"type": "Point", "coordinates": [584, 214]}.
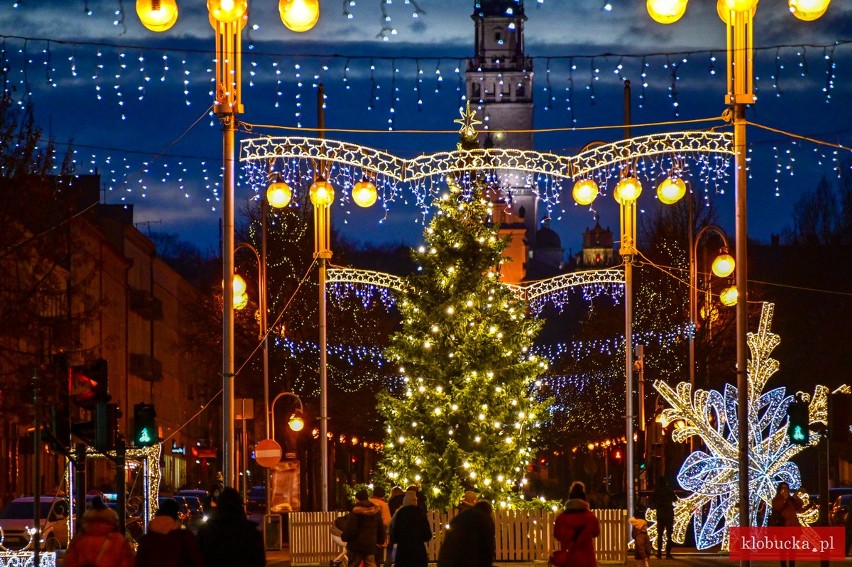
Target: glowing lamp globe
{"type": "Point", "coordinates": [364, 193]}
{"type": "Point", "coordinates": [296, 422]}
{"type": "Point", "coordinates": [724, 11]}
{"type": "Point", "coordinates": [239, 285]}
{"type": "Point", "coordinates": [157, 15]}
{"type": "Point", "coordinates": [723, 265]}
{"type": "Point", "coordinates": [322, 193]}
{"type": "Point", "coordinates": [666, 11]}
{"type": "Point", "coordinates": [671, 190]}
{"type": "Point", "coordinates": [240, 301]}
{"type": "Point", "coordinates": [226, 11]}
{"type": "Point", "coordinates": [627, 190]}
{"type": "Point", "coordinates": [808, 10]}
{"type": "Point", "coordinates": [729, 296]}
{"type": "Point", "coordinates": [585, 191]}
{"type": "Point", "coordinates": [299, 15]}
{"type": "Point", "coordinates": [278, 194]}
{"type": "Point", "coordinates": [738, 5]}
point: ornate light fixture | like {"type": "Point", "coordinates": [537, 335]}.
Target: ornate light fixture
{"type": "Point", "coordinates": [299, 15]}
{"type": "Point", "coordinates": [724, 265]}
{"type": "Point", "coordinates": [278, 194]}
{"type": "Point", "coordinates": [322, 193]}
{"type": "Point", "coordinates": [364, 193]}
{"type": "Point", "coordinates": [157, 15]}
{"type": "Point", "coordinates": [671, 190]}
{"type": "Point", "coordinates": [585, 191]}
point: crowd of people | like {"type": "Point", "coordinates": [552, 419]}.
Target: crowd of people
{"type": "Point", "coordinates": [226, 539]}
{"type": "Point", "coordinates": [377, 532]}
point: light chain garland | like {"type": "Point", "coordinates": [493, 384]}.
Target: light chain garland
{"type": "Point", "coordinates": [712, 476]}
{"type": "Point", "coordinates": [703, 154]}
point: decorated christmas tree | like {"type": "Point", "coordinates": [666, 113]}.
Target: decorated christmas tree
{"type": "Point", "coordinates": [468, 410]}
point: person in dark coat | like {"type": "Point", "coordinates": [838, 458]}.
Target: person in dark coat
{"type": "Point", "coordinates": [363, 530]}
{"type": "Point", "coordinates": [470, 540]}
{"type": "Point", "coordinates": [395, 500]}
{"type": "Point", "coordinates": [575, 529]}
{"type": "Point", "coordinates": [167, 544]}
{"type": "Point", "coordinates": [409, 531]}
{"type": "Point", "coordinates": [228, 538]}
{"type": "Point", "coordinates": [663, 499]}
{"type": "Point", "coordinates": [785, 513]}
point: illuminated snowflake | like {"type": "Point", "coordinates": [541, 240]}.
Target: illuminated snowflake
{"type": "Point", "coordinates": [712, 477]}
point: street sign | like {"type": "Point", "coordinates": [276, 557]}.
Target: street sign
{"type": "Point", "coordinates": [267, 453]}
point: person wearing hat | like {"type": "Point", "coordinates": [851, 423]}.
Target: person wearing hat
{"type": "Point", "coordinates": [409, 532]}
{"type": "Point", "coordinates": [99, 542]}
{"type": "Point", "coordinates": [575, 529]}
{"type": "Point", "coordinates": [167, 544]}
{"type": "Point", "coordinates": [468, 501]}
{"type": "Point", "coordinates": [363, 530]}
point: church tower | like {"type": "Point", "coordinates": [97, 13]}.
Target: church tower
{"type": "Point", "coordinates": [499, 81]}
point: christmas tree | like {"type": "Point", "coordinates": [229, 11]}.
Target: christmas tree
{"type": "Point", "coordinates": [469, 408]}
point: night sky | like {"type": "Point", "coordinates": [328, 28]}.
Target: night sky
{"type": "Point", "coordinates": [136, 104]}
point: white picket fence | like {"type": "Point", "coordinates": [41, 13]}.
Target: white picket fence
{"type": "Point", "coordinates": [522, 536]}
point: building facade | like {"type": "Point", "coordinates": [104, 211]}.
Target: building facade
{"type": "Point", "coordinates": [109, 297]}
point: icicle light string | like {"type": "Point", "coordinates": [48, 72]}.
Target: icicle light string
{"type": "Point", "coordinates": [828, 55]}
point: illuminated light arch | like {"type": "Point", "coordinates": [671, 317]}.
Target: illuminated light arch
{"type": "Point", "coordinates": [593, 283]}
{"type": "Point", "coordinates": [377, 162]}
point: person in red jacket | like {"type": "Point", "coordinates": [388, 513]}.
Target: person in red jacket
{"type": "Point", "coordinates": [99, 542]}
{"type": "Point", "coordinates": [575, 529]}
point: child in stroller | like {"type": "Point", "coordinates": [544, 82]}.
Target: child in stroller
{"type": "Point", "coordinates": [342, 560]}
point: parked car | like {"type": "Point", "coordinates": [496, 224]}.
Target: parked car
{"type": "Point", "coordinates": [839, 511]}
{"type": "Point", "coordinates": [256, 503]}
{"type": "Point", "coordinates": [17, 521]}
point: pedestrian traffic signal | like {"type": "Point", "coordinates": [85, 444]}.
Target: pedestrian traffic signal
{"type": "Point", "coordinates": [798, 423]}
{"type": "Point", "coordinates": [144, 425]}
{"type": "Point", "coordinates": [89, 384]}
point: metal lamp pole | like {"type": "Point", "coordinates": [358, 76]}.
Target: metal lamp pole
{"type": "Point", "coordinates": [627, 209]}
{"type": "Point", "coordinates": [739, 26]}
{"type": "Point", "coordinates": [693, 289]}
{"type": "Point", "coordinates": [227, 106]}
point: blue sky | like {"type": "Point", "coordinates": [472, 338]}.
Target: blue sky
{"type": "Point", "coordinates": [134, 102]}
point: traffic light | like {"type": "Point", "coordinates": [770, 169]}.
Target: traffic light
{"type": "Point", "coordinates": [89, 384]}
{"type": "Point", "coordinates": [106, 426]}
{"type": "Point", "coordinates": [797, 423]}
{"type": "Point", "coordinates": [144, 425]}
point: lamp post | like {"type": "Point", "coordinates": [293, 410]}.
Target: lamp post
{"type": "Point", "coordinates": [322, 196]}
{"type": "Point", "coordinates": [738, 17]}
{"type": "Point", "coordinates": [228, 18]}
{"type": "Point", "coordinates": [723, 266]}
{"type": "Point", "coordinates": [296, 421]}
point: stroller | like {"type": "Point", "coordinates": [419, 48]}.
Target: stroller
{"type": "Point", "coordinates": [342, 560]}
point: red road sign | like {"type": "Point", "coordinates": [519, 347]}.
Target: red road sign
{"type": "Point", "coordinates": [267, 453]}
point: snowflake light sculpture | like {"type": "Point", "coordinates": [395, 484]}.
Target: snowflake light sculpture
{"type": "Point", "coordinates": [712, 476]}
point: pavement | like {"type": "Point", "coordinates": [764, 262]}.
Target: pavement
{"type": "Point", "coordinates": [683, 558]}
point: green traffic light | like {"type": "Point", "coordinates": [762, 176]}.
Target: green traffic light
{"type": "Point", "coordinates": [144, 436]}
{"type": "Point", "coordinates": [798, 434]}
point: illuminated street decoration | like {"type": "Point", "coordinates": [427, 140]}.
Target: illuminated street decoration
{"type": "Point", "coordinates": [712, 476]}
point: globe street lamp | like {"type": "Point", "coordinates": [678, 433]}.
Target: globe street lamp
{"type": "Point", "coordinates": [228, 18]}
{"type": "Point", "coordinates": [738, 17]}
{"type": "Point", "coordinates": [723, 266]}
{"type": "Point", "coordinates": [322, 196]}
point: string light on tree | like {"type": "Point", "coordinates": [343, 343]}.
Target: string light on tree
{"type": "Point", "coordinates": [464, 342]}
